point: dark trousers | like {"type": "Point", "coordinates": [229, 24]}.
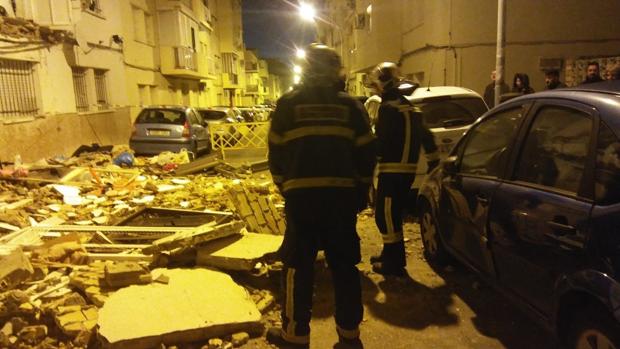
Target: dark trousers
{"type": "Point", "coordinates": [392, 198]}
{"type": "Point", "coordinates": [320, 219]}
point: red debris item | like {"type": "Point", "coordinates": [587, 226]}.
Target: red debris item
{"type": "Point", "coordinates": [169, 167]}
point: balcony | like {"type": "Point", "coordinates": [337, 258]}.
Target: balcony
{"type": "Point", "coordinates": [181, 62]}
{"type": "Point", "coordinates": [185, 58]}
{"type": "Point", "coordinates": [252, 89]}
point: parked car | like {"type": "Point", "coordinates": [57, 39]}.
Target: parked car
{"type": "Point", "coordinates": [448, 111]}
{"type": "Point", "coordinates": [232, 112]}
{"type": "Point", "coordinates": [219, 117]}
{"type": "Point", "coordinates": [530, 199]}
{"type": "Point", "coordinates": [159, 129]}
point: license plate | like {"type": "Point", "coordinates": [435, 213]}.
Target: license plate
{"type": "Point", "coordinates": [159, 133]}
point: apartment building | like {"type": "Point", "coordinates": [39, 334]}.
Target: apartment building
{"type": "Point", "coordinates": [453, 42]}
{"type": "Point", "coordinates": [76, 72]}
{"type": "Point", "coordinates": [62, 77]}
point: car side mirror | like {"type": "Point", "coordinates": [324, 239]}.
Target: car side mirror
{"type": "Point", "coordinates": [449, 165]}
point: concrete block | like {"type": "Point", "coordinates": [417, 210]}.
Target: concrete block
{"type": "Point", "coordinates": [239, 339]}
{"type": "Point", "coordinates": [197, 304]}
{"type": "Point", "coordinates": [239, 253]}
{"type": "Point", "coordinates": [15, 267]}
{"type": "Point", "coordinates": [33, 334]}
{"type": "Point", "coordinates": [123, 274]}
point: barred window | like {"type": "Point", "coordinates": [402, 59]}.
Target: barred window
{"type": "Point", "coordinates": [18, 97]}
{"type": "Point", "coordinates": [100, 87]}
{"type": "Point", "coordinates": [80, 88]}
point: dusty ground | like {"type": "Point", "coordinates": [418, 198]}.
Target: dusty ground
{"type": "Point", "coordinates": [452, 309]}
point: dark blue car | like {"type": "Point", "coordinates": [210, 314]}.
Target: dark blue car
{"type": "Point", "coordinates": [530, 199]}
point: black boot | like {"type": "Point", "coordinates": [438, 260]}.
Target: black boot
{"type": "Point", "coordinates": [274, 336]}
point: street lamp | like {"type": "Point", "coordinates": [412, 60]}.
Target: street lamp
{"type": "Point", "coordinates": [301, 53]}
{"type": "Point", "coordinates": [308, 13]}
{"type": "Point", "coordinates": [297, 69]}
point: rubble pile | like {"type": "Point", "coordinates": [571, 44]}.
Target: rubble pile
{"type": "Point", "coordinates": [27, 29]}
{"type": "Point", "coordinates": [75, 231]}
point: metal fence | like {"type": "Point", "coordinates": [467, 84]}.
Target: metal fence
{"type": "Point", "coordinates": [237, 136]}
{"type": "Point", "coordinates": [17, 90]}
{"type": "Point", "coordinates": [80, 88]}
{"type": "Point", "coordinates": [100, 87]}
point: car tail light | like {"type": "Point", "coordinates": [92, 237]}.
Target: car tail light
{"type": "Point", "coordinates": [185, 129]}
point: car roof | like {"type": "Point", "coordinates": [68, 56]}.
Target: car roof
{"type": "Point", "coordinates": [440, 91]}
{"type": "Point", "coordinates": [604, 96]}
{"type": "Point", "coordinates": [167, 107]}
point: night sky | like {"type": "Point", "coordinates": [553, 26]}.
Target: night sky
{"type": "Point", "coordinates": [274, 28]}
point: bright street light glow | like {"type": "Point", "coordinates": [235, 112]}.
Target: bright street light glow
{"type": "Point", "coordinates": [296, 79]}
{"type": "Point", "coordinates": [297, 69]}
{"type": "Point", "coordinates": [301, 53]}
{"type": "Point", "coordinates": [307, 12]}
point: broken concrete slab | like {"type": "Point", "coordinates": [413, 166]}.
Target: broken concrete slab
{"type": "Point", "coordinates": [239, 252]}
{"type": "Point", "coordinates": [195, 305]}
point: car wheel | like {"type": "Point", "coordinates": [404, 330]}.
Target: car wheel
{"type": "Point", "coordinates": [434, 250]}
{"type": "Point", "coordinates": [594, 328]}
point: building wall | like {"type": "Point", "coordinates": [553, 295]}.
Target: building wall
{"type": "Point", "coordinates": [452, 42]}
{"type": "Point", "coordinates": [63, 133]}
{"type": "Point", "coordinates": [58, 128]}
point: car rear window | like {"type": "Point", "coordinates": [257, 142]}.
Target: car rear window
{"type": "Point", "coordinates": [161, 116]}
{"type": "Point", "coordinates": [451, 112]}
{"type": "Point", "coordinates": [212, 114]}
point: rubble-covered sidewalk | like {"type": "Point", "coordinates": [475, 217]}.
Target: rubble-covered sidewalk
{"type": "Point", "coordinates": [97, 255]}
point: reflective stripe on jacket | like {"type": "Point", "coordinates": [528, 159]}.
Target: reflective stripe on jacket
{"type": "Point", "coordinates": [320, 138]}
{"type": "Point", "coordinates": [401, 135]}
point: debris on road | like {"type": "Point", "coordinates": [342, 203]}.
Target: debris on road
{"type": "Point", "coordinates": [80, 237]}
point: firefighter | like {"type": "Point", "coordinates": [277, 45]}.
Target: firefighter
{"type": "Point", "coordinates": [401, 135]}
{"type": "Point", "coordinates": [321, 157]}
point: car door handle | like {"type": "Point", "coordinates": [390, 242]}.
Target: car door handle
{"type": "Point", "coordinates": [482, 199]}
{"type": "Point", "coordinates": [562, 229]}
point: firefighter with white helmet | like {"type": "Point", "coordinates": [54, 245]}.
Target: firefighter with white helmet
{"type": "Point", "coordinates": [401, 135]}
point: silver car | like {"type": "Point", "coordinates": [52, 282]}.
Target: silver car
{"type": "Point", "coordinates": [448, 111]}
{"type": "Point", "coordinates": [159, 129]}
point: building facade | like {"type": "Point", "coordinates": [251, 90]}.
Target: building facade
{"type": "Point", "coordinates": [76, 72]}
{"type": "Point", "coordinates": [453, 42]}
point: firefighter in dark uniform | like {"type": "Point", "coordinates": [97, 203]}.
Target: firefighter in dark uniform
{"type": "Point", "coordinates": [321, 156]}
{"type": "Point", "coordinates": [401, 135]}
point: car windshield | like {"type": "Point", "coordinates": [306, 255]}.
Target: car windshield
{"type": "Point", "coordinates": [212, 114]}
{"type": "Point", "coordinates": [161, 116]}
{"type": "Point", "coordinates": [451, 112]}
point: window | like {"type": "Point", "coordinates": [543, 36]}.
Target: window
{"type": "Point", "coordinates": [92, 6]}
{"type": "Point", "coordinates": [607, 175]}
{"type": "Point", "coordinates": [101, 90]}
{"type": "Point", "coordinates": [450, 112]}
{"type": "Point", "coordinates": [486, 148]}
{"type": "Point", "coordinates": [18, 96]}
{"type": "Point", "coordinates": [556, 148]}
{"type": "Point", "coordinates": [161, 116]}
{"type": "Point", "coordinates": [80, 88]}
